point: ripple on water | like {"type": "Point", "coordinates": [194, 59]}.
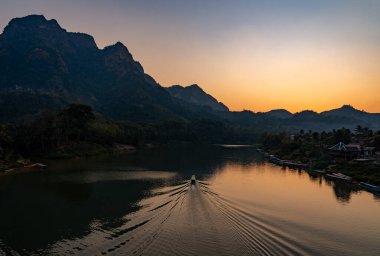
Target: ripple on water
{"type": "Point", "coordinates": [186, 220]}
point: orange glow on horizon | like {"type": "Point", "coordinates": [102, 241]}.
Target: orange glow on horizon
{"type": "Point", "coordinates": [305, 76]}
{"type": "Point", "coordinates": [254, 55]}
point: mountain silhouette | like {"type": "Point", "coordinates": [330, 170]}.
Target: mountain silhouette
{"type": "Point", "coordinates": [42, 62]}
{"type": "Point", "coordinates": [194, 94]}
{"type": "Point", "coordinates": [45, 68]}
{"type": "Point", "coordinates": [279, 113]}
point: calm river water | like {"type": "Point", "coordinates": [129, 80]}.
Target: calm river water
{"type": "Point", "coordinates": [144, 204]}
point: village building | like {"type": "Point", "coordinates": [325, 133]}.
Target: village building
{"type": "Point", "coordinates": [351, 150]}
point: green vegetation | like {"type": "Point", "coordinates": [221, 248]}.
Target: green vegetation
{"type": "Point", "coordinates": [361, 172]}
{"type": "Point", "coordinates": [304, 146]}
{"type": "Point", "coordinates": [78, 131]}
{"type": "Point", "coordinates": [311, 147]}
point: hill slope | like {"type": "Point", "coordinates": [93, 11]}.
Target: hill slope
{"type": "Point", "coordinates": [194, 94]}
{"type": "Point", "coordinates": [39, 59]}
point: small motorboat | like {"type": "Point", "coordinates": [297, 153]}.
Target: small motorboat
{"type": "Point", "coordinates": [318, 171]}
{"type": "Point", "coordinates": [370, 187]}
{"type": "Point", "coordinates": [275, 160]}
{"type": "Point", "coordinates": [192, 180]}
{"type": "Point", "coordinates": [339, 176]}
{"type": "Point", "coordinates": [295, 165]}
{"type": "Point", "coordinates": [29, 165]}
{"type": "Point", "coordinates": [9, 170]}
{"type": "Point", "coordinates": [35, 165]}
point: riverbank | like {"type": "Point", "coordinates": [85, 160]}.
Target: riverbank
{"type": "Point", "coordinates": [84, 149]}
{"type": "Point", "coordinates": [361, 172]}
{"type": "Point", "coordinates": [312, 148]}
{"type": "Point", "coordinates": [358, 171]}
{"type": "Point", "coordinates": [70, 151]}
{"type": "Point", "coordinates": [353, 173]}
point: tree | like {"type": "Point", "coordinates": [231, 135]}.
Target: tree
{"type": "Point", "coordinates": [75, 121]}
{"type": "Point", "coordinates": [376, 142]}
{"type": "Point", "coordinates": [342, 135]}
{"type": "Point", "coordinates": [78, 112]}
{"type": "Point", "coordinates": [5, 139]}
{"type": "Point", "coordinates": [358, 129]}
{"type": "Point", "coordinates": [5, 136]}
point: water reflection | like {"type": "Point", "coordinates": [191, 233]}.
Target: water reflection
{"type": "Point", "coordinates": [78, 205]}
{"type": "Point", "coordinates": [38, 213]}
{"type": "Point", "coordinates": [341, 190]}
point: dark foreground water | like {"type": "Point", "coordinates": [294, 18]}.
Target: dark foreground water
{"type": "Point", "coordinates": [143, 204]}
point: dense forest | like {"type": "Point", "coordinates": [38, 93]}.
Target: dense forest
{"type": "Point", "coordinates": [78, 131]}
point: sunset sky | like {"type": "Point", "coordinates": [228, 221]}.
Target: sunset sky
{"type": "Point", "coordinates": [249, 54]}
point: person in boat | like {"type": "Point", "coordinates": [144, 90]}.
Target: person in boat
{"type": "Point", "coordinates": [192, 181]}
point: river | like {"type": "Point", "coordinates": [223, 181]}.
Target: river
{"type": "Point", "coordinates": [143, 204]}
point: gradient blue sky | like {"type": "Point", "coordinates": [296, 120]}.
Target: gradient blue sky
{"type": "Point", "coordinates": [256, 55]}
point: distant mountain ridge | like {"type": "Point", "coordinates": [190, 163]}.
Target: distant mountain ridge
{"type": "Point", "coordinates": [44, 67]}
{"type": "Point", "coordinates": [194, 94]}
{"type": "Point", "coordinates": [346, 111]}
{"type": "Point", "coordinates": [279, 113]}
{"type": "Point", "coordinates": [345, 116]}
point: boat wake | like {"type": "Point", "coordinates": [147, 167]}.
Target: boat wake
{"type": "Point", "coordinates": [187, 219]}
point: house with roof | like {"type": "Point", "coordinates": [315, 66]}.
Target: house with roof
{"type": "Point", "coordinates": [351, 150]}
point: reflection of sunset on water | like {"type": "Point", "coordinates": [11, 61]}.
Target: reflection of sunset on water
{"type": "Point", "coordinates": [145, 202]}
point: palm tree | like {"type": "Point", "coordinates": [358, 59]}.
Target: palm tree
{"type": "Point", "coordinates": [359, 129]}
